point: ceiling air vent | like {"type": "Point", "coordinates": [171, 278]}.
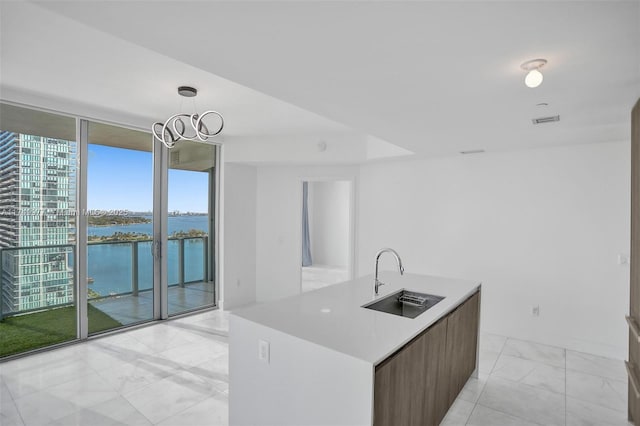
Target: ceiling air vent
{"type": "Point", "coordinates": [549, 119]}
{"type": "Point", "coordinates": [473, 151]}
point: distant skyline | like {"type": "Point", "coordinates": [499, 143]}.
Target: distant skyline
{"type": "Point", "coordinates": [123, 179]}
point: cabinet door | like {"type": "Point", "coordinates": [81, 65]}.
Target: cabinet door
{"type": "Point", "coordinates": [405, 383]}
{"type": "Point", "coordinates": [462, 343]}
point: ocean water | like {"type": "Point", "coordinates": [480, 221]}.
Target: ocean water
{"type": "Point", "coordinates": [110, 265]}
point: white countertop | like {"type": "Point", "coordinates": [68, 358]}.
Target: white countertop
{"type": "Point", "coordinates": [333, 316]}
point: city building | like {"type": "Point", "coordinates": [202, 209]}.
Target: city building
{"type": "Point", "coordinates": [37, 206]}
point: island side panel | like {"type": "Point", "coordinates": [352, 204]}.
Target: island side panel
{"type": "Point", "coordinates": [302, 384]}
{"type": "Point", "coordinates": [462, 345]}
{"type": "Point", "coordinates": [406, 383]}
{"type": "Point", "coordinates": [418, 384]}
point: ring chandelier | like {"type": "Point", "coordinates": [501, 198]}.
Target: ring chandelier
{"type": "Point", "coordinates": [184, 126]}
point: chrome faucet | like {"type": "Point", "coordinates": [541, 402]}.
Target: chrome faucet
{"type": "Point", "coordinates": [378, 283]}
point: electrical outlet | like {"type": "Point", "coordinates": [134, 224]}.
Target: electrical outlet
{"type": "Point", "coordinates": [263, 351]}
{"type": "Point", "coordinates": [237, 283]}
{"type": "Point", "coordinates": [535, 311]}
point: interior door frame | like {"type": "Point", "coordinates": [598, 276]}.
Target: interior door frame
{"type": "Point", "coordinates": [352, 221]}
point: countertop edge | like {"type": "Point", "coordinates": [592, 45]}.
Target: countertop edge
{"type": "Point", "coordinates": [311, 342]}
{"type": "Point", "coordinates": [373, 357]}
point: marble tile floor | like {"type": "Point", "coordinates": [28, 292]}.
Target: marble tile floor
{"type": "Point", "coordinates": [318, 276]}
{"type": "Point", "coordinates": [523, 383]}
{"type": "Point", "coordinates": [176, 373]}
{"type": "Point", "coordinates": [170, 373]}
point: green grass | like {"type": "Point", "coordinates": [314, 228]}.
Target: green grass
{"type": "Point", "coordinates": [31, 331]}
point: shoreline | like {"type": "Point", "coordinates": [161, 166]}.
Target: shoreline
{"type": "Point", "coordinates": [117, 224]}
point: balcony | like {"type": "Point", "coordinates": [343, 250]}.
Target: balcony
{"type": "Point", "coordinates": [120, 287]}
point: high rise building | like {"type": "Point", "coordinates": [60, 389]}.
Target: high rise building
{"type": "Point", "coordinates": [37, 209]}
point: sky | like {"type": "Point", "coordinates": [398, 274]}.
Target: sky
{"type": "Point", "coordinates": [122, 179]}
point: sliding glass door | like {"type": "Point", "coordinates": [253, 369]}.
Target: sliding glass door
{"type": "Point", "coordinates": [120, 228]}
{"type": "Point", "coordinates": [190, 226]}
{"type": "Point", "coordinates": [101, 227]}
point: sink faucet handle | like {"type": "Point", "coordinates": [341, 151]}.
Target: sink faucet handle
{"type": "Point", "coordinates": [378, 283]}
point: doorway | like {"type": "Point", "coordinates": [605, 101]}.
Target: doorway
{"type": "Point", "coordinates": [327, 233]}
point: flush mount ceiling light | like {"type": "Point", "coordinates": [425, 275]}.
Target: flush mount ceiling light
{"type": "Point", "coordinates": [190, 127]}
{"type": "Point", "coordinates": [534, 76]}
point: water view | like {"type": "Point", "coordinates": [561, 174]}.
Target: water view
{"type": "Point", "coordinates": [105, 279]}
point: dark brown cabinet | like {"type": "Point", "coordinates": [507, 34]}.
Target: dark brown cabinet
{"type": "Point", "coordinates": [462, 344]}
{"type": "Point", "coordinates": [418, 384]}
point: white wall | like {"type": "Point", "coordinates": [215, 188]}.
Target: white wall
{"type": "Point", "coordinates": [239, 235]}
{"type": "Point", "coordinates": [298, 384]}
{"type": "Point", "coordinates": [329, 221]}
{"type": "Point", "coordinates": [538, 227]}
{"type": "Point", "coordinates": [279, 221]}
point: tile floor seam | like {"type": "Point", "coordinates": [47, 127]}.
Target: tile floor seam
{"type": "Point", "coordinates": [528, 385]}
{"type": "Point", "coordinates": [608, 378]}
{"type": "Point", "coordinates": [51, 386]}
{"type": "Point", "coordinates": [112, 399]}
{"type": "Point", "coordinates": [484, 385]}
{"type": "Point", "coordinates": [175, 374]}
{"type": "Point", "coordinates": [605, 379]}
{"type": "Point", "coordinates": [471, 413]}
{"type": "Point", "coordinates": [136, 408]}
{"type": "Point", "coordinates": [499, 354]}
{"type": "Point", "coordinates": [189, 407]}
{"type": "Point", "coordinates": [565, 387]}
{"type": "Point", "coordinates": [511, 415]}
{"type": "Point", "coordinates": [20, 414]}
{"type": "Point", "coordinates": [535, 388]}
{"type": "Point", "coordinates": [13, 398]}
{"type": "Point", "coordinates": [129, 392]}
{"type": "Point", "coordinates": [538, 343]}
{"type": "Point", "coordinates": [15, 406]}
{"type": "Point", "coordinates": [573, 370]}
{"type": "Point", "coordinates": [195, 402]}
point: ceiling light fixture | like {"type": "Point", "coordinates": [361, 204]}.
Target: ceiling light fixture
{"type": "Point", "coordinates": [534, 76]}
{"type": "Point", "coordinates": [175, 129]}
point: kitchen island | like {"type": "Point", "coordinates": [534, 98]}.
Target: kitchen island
{"type": "Point", "coordinates": [321, 358]}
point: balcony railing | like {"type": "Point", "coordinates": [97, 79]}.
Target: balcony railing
{"type": "Point", "coordinates": [47, 283]}
{"type": "Point", "coordinates": [127, 265]}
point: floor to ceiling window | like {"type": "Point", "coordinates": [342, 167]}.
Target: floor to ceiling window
{"type": "Point", "coordinates": [38, 180]}
{"type": "Point", "coordinates": [101, 227]}
{"type": "Point", "coordinates": [190, 224]}
{"type": "Point", "coordinates": [119, 219]}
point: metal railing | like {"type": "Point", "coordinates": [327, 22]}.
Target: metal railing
{"type": "Point", "coordinates": [179, 260]}
{"type": "Point", "coordinates": [7, 276]}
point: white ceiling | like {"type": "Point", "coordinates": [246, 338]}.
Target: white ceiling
{"type": "Point", "coordinates": [432, 77]}
{"type": "Point", "coordinates": [60, 57]}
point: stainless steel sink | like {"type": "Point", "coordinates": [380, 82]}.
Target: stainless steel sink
{"type": "Point", "coordinates": [405, 303]}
